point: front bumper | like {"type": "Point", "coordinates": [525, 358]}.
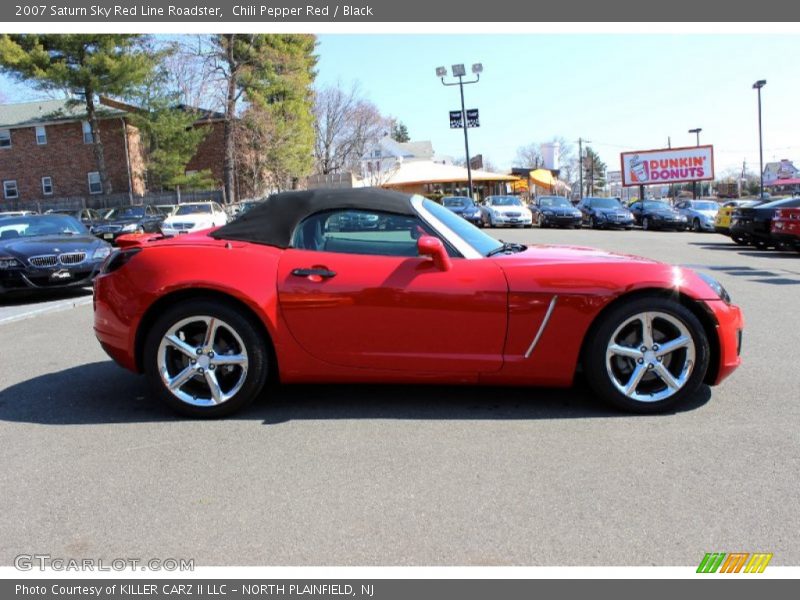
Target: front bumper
{"type": "Point", "coordinates": [614, 222]}
{"type": "Point", "coordinates": [561, 220]}
{"type": "Point", "coordinates": [730, 329]}
{"type": "Point", "coordinates": [111, 236]}
{"type": "Point", "coordinates": [512, 221]}
{"type": "Point", "coordinates": [49, 278]}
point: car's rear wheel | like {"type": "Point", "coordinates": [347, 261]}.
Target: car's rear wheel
{"type": "Point", "coordinates": [647, 356]}
{"type": "Point", "coordinates": [205, 358]}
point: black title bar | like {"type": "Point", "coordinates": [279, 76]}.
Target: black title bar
{"type": "Point", "coordinates": [373, 11]}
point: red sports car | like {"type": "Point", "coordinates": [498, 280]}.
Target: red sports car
{"type": "Point", "coordinates": [369, 285]}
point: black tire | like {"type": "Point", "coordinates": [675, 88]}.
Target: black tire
{"type": "Point", "coordinates": [248, 330]}
{"type": "Point", "coordinates": [595, 223]}
{"type": "Point", "coordinates": [599, 338]}
{"type": "Point", "coordinates": [540, 221]}
{"type": "Point", "coordinates": [645, 223]}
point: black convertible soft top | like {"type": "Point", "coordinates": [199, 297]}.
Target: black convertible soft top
{"type": "Point", "coordinates": [273, 222]}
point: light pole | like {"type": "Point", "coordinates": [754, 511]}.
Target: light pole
{"type": "Point", "coordinates": [581, 142]}
{"type": "Point", "coordinates": [459, 71]}
{"type": "Point", "coordinates": [694, 183]}
{"type": "Point", "coordinates": [757, 86]}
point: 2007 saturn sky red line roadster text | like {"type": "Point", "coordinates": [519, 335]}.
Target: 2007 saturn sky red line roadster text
{"type": "Point", "coordinates": [369, 285]}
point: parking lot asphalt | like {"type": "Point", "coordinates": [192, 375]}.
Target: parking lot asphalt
{"type": "Point", "coordinates": [93, 466]}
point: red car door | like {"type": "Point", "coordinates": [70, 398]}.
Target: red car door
{"type": "Point", "coordinates": [395, 312]}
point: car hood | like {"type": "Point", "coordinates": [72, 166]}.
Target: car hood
{"type": "Point", "coordinates": [125, 221]}
{"type": "Point", "coordinates": [457, 209]}
{"type": "Point", "coordinates": [610, 211]}
{"type": "Point", "coordinates": [36, 246]}
{"type": "Point", "coordinates": [555, 254]}
{"type": "Point", "coordinates": [507, 209]}
{"type": "Point", "coordinates": [192, 218]}
{"type": "Point", "coordinates": [560, 210]}
{"type": "Point", "coordinates": [662, 213]}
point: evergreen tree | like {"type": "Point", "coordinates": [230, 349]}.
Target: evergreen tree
{"type": "Point", "coordinates": [400, 132]}
{"type": "Point", "coordinates": [83, 65]}
{"type": "Point", "coordinates": [273, 72]}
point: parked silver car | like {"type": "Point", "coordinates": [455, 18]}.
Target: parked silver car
{"type": "Point", "coordinates": [700, 214]}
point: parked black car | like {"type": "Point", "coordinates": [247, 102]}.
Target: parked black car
{"type": "Point", "coordinates": [88, 216]}
{"type": "Point", "coordinates": [464, 207]}
{"type": "Point", "coordinates": [555, 211]}
{"type": "Point", "coordinates": [129, 219]}
{"type": "Point", "coordinates": [605, 213]}
{"type": "Point", "coordinates": [46, 252]}
{"type": "Point", "coordinates": [652, 214]}
{"type": "Point", "coordinates": [751, 225]}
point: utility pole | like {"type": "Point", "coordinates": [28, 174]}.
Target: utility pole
{"type": "Point", "coordinates": [580, 163]}
{"type": "Point", "coordinates": [757, 86]}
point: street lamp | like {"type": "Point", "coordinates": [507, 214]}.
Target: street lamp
{"type": "Point", "coordinates": [460, 72]}
{"type": "Point", "coordinates": [757, 86]}
{"type": "Point", "coordinates": [694, 183]}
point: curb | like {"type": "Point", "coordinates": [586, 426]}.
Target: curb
{"type": "Point", "coordinates": [57, 307]}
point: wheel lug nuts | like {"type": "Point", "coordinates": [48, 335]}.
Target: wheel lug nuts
{"type": "Point", "coordinates": [194, 362]}
{"type": "Point", "coordinates": [211, 367]}
{"type": "Point", "coordinates": [655, 347]}
{"type": "Point", "coordinates": [198, 351]}
{"type": "Point", "coordinates": [210, 355]}
{"type": "Point", "coordinates": [650, 365]}
{"type": "Point", "coordinates": [640, 361]}
{"type": "Point", "coordinates": [201, 370]}
{"type": "Point", "coordinates": [644, 348]}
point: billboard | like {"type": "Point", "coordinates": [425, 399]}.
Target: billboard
{"type": "Point", "coordinates": [614, 177]}
{"type": "Point", "coordinates": [668, 165]}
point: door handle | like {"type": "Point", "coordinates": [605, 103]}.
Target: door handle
{"type": "Point", "coordinates": [315, 274]}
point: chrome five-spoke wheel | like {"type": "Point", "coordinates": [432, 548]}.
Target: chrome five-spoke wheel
{"type": "Point", "coordinates": [650, 356]}
{"type": "Point", "coordinates": [646, 354]}
{"type": "Point", "coordinates": [206, 358]}
{"type": "Point", "coordinates": [202, 361]}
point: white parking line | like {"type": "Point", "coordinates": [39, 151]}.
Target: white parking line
{"type": "Point", "coordinates": [53, 307]}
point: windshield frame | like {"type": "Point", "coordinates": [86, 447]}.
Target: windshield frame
{"type": "Point", "coordinates": [476, 244]}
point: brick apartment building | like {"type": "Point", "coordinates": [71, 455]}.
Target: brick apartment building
{"type": "Point", "coordinates": [47, 153]}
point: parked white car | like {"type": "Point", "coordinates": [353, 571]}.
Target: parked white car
{"type": "Point", "coordinates": [510, 211]}
{"type": "Point", "coordinates": [194, 216]}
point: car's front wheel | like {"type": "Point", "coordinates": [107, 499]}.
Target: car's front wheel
{"type": "Point", "coordinates": [647, 355]}
{"type": "Point", "coordinates": [205, 358]}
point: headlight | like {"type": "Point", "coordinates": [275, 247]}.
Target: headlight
{"type": "Point", "coordinates": [600, 215]}
{"type": "Point", "coordinates": [130, 227]}
{"type": "Point", "coordinates": [576, 213]}
{"type": "Point", "coordinates": [9, 263]}
{"type": "Point", "coordinates": [716, 286]}
{"type": "Point", "coordinates": [101, 253]}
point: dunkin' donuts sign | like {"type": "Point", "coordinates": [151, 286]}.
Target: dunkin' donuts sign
{"type": "Point", "coordinates": [668, 165]}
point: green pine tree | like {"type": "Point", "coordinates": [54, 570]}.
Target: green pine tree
{"type": "Point", "coordinates": [400, 132]}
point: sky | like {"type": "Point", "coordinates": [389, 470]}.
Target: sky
{"type": "Point", "coordinates": [621, 92]}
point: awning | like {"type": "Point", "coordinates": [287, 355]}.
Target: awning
{"type": "Point", "coordinates": [542, 177]}
{"type": "Point", "coordinates": [779, 182]}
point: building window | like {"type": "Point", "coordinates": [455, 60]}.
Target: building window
{"type": "Point", "coordinates": [41, 135]}
{"type": "Point", "coordinates": [95, 185]}
{"type": "Point", "coordinates": [10, 190]}
{"type": "Point", "coordinates": [47, 186]}
{"type": "Point", "coordinates": [5, 138]}
{"type": "Point", "coordinates": [88, 138]}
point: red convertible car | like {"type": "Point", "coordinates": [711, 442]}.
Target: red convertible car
{"type": "Point", "coordinates": [370, 285]}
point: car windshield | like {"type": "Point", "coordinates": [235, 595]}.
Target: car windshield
{"type": "Point", "coordinates": [15, 227]}
{"type": "Point", "coordinates": [554, 201]}
{"type": "Point", "coordinates": [788, 202]}
{"type": "Point", "coordinates": [504, 201]}
{"type": "Point", "coordinates": [125, 212]}
{"type": "Point", "coordinates": [450, 202]}
{"type": "Point", "coordinates": [655, 205]}
{"type": "Point", "coordinates": [704, 205]}
{"type": "Point", "coordinates": [604, 203]}
{"type": "Point", "coordinates": [462, 228]}
{"type": "Point", "coordinates": [191, 209]}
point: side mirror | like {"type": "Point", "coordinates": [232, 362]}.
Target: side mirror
{"type": "Point", "coordinates": [433, 247]}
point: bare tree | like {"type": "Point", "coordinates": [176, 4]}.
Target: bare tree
{"type": "Point", "coordinates": [345, 124]}
{"type": "Point", "coordinates": [529, 156]}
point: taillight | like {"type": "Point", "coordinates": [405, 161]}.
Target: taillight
{"type": "Point", "coordinates": [119, 259]}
